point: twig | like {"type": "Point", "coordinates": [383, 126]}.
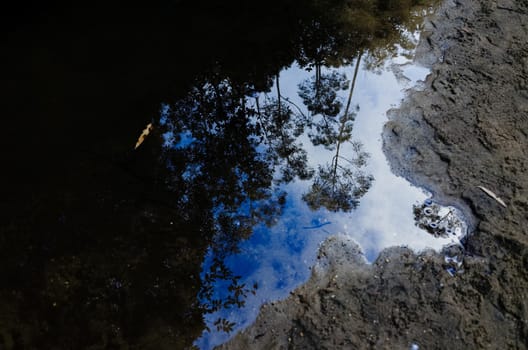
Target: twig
{"type": "Point", "coordinates": [493, 195]}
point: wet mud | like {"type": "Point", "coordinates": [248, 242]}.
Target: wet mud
{"type": "Point", "coordinates": [466, 128]}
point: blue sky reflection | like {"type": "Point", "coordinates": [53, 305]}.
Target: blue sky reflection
{"type": "Point", "coordinates": [276, 259]}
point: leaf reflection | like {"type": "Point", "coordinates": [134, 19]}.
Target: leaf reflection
{"type": "Point", "coordinates": [232, 145]}
{"type": "Point", "coordinates": [105, 249]}
{"type": "Point", "coordinates": [239, 144]}
{"type": "Point", "coordinates": [319, 95]}
{"type": "Point", "coordinates": [339, 187]}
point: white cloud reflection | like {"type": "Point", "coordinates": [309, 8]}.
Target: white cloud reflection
{"type": "Point", "coordinates": [278, 259]}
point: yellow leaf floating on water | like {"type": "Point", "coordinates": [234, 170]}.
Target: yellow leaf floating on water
{"type": "Point", "coordinates": [492, 195]}
{"type": "Point", "coordinates": [144, 134]}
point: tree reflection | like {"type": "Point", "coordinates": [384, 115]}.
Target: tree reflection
{"type": "Point", "coordinates": [319, 95]}
{"type": "Point", "coordinates": [280, 130]}
{"type": "Point", "coordinates": [237, 143]}
{"type": "Point", "coordinates": [339, 187]}
{"type": "Point", "coordinates": [216, 145]}
{"type": "Point", "coordinates": [102, 246]}
{"type": "Point", "coordinates": [219, 144]}
{"type": "Point", "coordinates": [338, 31]}
{"type": "Point", "coordinates": [340, 184]}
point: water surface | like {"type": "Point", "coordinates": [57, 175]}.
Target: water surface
{"type": "Point", "coordinates": [103, 245]}
{"type": "Point", "coordinates": [277, 257]}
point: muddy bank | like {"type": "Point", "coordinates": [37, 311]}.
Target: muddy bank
{"type": "Point", "coordinates": [467, 128]}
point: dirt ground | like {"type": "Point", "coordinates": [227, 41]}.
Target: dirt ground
{"type": "Point", "coordinates": [468, 127]}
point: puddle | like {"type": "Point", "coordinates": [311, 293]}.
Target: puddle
{"type": "Point", "coordinates": [223, 204]}
{"type": "Point", "coordinates": [384, 210]}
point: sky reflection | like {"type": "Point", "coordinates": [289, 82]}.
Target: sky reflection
{"type": "Point", "coordinates": [277, 259]}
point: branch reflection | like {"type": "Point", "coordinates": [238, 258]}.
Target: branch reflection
{"type": "Point", "coordinates": [104, 249]}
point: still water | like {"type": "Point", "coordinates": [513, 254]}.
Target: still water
{"type": "Point", "coordinates": [268, 141]}
{"type": "Point", "coordinates": [277, 257]}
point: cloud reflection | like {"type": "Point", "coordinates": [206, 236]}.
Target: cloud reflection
{"type": "Point", "coordinates": [278, 258]}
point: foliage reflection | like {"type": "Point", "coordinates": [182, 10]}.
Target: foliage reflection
{"type": "Point", "coordinates": [104, 249]}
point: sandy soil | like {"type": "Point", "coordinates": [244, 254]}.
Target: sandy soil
{"type": "Point", "coordinates": [467, 128]}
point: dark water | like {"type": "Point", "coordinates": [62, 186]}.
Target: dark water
{"type": "Point", "coordinates": [103, 246]}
